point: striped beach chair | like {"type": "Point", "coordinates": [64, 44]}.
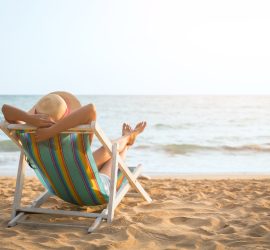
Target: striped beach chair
{"type": "Point", "coordinates": [65, 166]}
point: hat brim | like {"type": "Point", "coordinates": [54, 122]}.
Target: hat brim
{"type": "Point", "coordinates": [72, 102]}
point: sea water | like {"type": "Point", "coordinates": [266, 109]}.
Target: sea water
{"type": "Point", "coordinates": [185, 134]}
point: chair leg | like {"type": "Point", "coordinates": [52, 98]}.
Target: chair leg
{"type": "Point", "coordinates": [124, 189]}
{"type": "Point", "coordinates": [13, 222]}
{"type": "Point", "coordinates": [36, 203]}
{"type": "Point", "coordinates": [97, 221]}
{"type": "Point", "coordinates": [15, 216]}
{"type": "Point", "coordinates": [113, 183]}
{"type": "Point", "coordinates": [18, 190]}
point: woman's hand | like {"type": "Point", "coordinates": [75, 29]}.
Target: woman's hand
{"type": "Point", "coordinates": [40, 120]}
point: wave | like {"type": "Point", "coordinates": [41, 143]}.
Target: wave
{"type": "Point", "coordinates": [142, 147]}
{"type": "Point", "coordinates": [8, 146]}
{"type": "Point", "coordinates": [252, 148]}
{"type": "Point", "coordinates": [168, 126]}
{"type": "Point", "coordinates": [193, 148]}
{"type": "Point", "coordinates": [175, 149]}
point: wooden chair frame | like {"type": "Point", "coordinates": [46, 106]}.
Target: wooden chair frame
{"type": "Point", "coordinates": [19, 212]}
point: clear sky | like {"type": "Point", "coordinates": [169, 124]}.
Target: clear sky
{"type": "Point", "coordinates": [135, 47]}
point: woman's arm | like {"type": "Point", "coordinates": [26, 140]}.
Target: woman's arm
{"type": "Point", "coordinates": [15, 115]}
{"type": "Point", "coordinates": [83, 115]}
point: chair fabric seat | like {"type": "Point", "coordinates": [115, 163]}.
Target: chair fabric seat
{"type": "Point", "coordinates": [66, 167]}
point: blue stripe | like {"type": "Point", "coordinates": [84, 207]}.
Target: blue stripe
{"type": "Point", "coordinates": [59, 172]}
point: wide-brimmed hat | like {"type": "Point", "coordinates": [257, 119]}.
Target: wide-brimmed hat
{"type": "Point", "coordinates": [57, 104]}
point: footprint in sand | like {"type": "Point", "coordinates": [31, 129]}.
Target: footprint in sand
{"type": "Point", "coordinates": [8, 234]}
{"type": "Point", "coordinates": [227, 230]}
{"type": "Point", "coordinates": [202, 231]}
{"type": "Point", "coordinates": [147, 219]}
{"type": "Point", "coordinates": [258, 231]}
{"type": "Point", "coordinates": [192, 222]}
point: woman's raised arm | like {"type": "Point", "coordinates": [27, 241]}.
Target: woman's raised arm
{"type": "Point", "coordinates": [16, 115]}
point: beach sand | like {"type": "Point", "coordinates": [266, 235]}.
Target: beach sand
{"type": "Point", "coordinates": [184, 214]}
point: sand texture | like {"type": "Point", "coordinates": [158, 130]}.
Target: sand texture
{"type": "Point", "coordinates": [185, 214]}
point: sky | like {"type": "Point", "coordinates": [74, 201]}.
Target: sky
{"type": "Point", "coordinates": [135, 47]}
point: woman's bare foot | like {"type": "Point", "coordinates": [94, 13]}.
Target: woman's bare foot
{"type": "Point", "coordinates": [126, 129]}
{"type": "Point", "coordinates": [139, 128]}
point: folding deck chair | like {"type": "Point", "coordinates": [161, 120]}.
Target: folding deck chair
{"type": "Point", "coordinates": [66, 167]}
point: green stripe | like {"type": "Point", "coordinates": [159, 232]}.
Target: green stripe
{"type": "Point", "coordinates": [44, 150]}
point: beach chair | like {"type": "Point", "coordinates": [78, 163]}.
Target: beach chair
{"type": "Point", "coordinates": [65, 166]}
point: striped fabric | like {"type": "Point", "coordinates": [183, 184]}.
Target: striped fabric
{"type": "Point", "coordinates": [66, 167]}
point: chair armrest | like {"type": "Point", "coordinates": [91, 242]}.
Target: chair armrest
{"type": "Point", "coordinates": [81, 128]}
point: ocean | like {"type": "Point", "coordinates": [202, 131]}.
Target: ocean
{"type": "Point", "coordinates": [185, 134]}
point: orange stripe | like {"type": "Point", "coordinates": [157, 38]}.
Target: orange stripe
{"type": "Point", "coordinates": [64, 169]}
{"type": "Point", "coordinates": [88, 169]}
{"type": "Point", "coordinates": [120, 180]}
{"type": "Point", "coordinates": [40, 163]}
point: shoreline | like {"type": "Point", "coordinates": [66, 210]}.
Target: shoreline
{"type": "Point", "coordinates": [189, 176]}
{"type": "Point", "coordinates": [209, 176]}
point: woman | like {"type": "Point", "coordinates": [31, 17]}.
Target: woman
{"type": "Point", "coordinates": [59, 111]}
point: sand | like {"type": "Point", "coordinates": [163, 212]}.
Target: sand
{"type": "Point", "coordinates": [185, 214]}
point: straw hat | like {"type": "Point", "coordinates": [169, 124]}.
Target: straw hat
{"type": "Point", "coordinates": [71, 100]}
{"type": "Point", "coordinates": [57, 104]}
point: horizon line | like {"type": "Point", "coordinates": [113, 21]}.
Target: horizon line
{"type": "Point", "coordinates": [213, 94]}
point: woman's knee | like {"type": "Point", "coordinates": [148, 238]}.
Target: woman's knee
{"type": "Point", "coordinates": [91, 110]}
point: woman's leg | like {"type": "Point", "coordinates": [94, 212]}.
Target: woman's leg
{"type": "Point", "coordinates": [101, 155]}
{"type": "Point", "coordinates": [107, 167]}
